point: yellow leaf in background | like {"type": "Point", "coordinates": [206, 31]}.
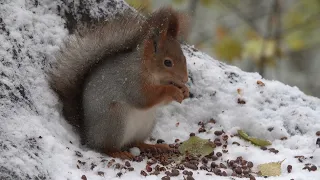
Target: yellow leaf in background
{"type": "Point", "coordinates": [255, 48]}
{"type": "Point", "coordinates": [178, 1]}
{"type": "Point", "coordinates": [251, 34]}
{"type": "Point", "coordinates": [228, 48]}
{"type": "Point", "coordinates": [270, 169]}
{"type": "Point", "coordinates": [206, 2]}
{"type": "Point", "coordinates": [295, 40]}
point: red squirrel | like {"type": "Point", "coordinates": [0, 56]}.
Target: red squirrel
{"type": "Point", "coordinates": [112, 77]}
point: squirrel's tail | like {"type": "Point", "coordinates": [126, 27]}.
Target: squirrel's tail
{"type": "Point", "coordinates": [87, 47]}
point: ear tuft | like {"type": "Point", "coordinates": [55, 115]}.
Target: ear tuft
{"type": "Point", "coordinates": [168, 23]}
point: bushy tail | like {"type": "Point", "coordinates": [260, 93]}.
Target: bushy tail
{"type": "Point", "coordinates": [87, 47]}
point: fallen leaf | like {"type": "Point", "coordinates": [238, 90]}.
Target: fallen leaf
{"type": "Point", "coordinates": [195, 146]}
{"type": "Point", "coordinates": [253, 140]}
{"type": "Point", "coordinates": [270, 169]}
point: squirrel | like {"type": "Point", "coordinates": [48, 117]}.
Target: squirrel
{"type": "Point", "coordinates": [112, 77]}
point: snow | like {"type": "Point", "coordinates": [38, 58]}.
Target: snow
{"type": "Point", "coordinates": [37, 143]}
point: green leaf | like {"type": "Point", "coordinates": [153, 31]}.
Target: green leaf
{"type": "Point", "coordinates": [243, 134]}
{"type": "Point", "coordinates": [195, 146]}
{"type": "Point", "coordinates": [259, 142]}
{"type": "Point", "coordinates": [253, 140]}
{"type": "Point", "coordinates": [270, 169]}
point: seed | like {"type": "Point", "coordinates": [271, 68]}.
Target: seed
{"type": "Point", "coordinates": [225, 151]}
{"type": "Point", "coordinates": [217, 143]}
{"type": "Point", "coordinates": [246, 171]}
{"type": "Point", "coordinates": [217, 171]}
{"type": "Point", "coordinates": [223, 166]}
{"type": "Point", "coordinates": [306, 167]}
{"type": "Point", "coordinates": [168, 173]}
{"type": "Point", "coordinates": [219, 154]}
{"type": "Point", "coordinates": [318, 142]}
{"type": "Point", "coordinates": [117, 166]}
{"type": "Point", "coordinates": [241, 101]}
{"type": "Point", "coordinates": [263, 148]}
{"type": "Point", "coordinates": [190, 173]}
{"type": "Point", "coordinates": [250, 164]}
{"type": "Point", "coordinates": [127, 163]}
{"type": "Point", "coordinates": [148, 168]}
{"type": "Point", "coordinates": [201, 130]}
{"type": "Point", "coordinates": [180, 166]}
{"type": "Point", "coordinates": [218, 133]}
{"type": "Point", "coordinates": [224, 173]}
{"type": "Point", "coordinates": [174, 172]}
{"type": "Point", "coordinates": [236, 143]}
{"type": "Point", "coordinates": [214, 158]}
{"type": "Point", "coordinates": [162, 169]}
{"type": "Point", "coordinates": [225, 137]}
{"type": "Point", "coordinates": [231, 163]}
{"type": "Point", "coordinates": [252, 177]}
{"type": "Point", "coordinates": [260, 83]}
{"type": "Point", "coordinates": [283, 138]}
{"type": "Point", "coordinates": [204, 160]}
{"type": "Point", "coordinates": [318, 133]}
{"type": "Point", "coordinates": [185, 172]}
{"type": "Point", "coordinates": [84, 177]}
{"type": "Point", "coordinates": [192, 134]}
{"type": "Point", "coordinates": [191, 166]}
{"type": "Point", "coordinates": [208, 174]}
{"type": "Point", "coordinates": [213, 165]}
{"type": "Point", "coordinates": [313, 168]}
{"type": "Point", "coordinates": [212, 121]}
{"type": "Point", "coordinates": [239, 159]}
{"type": "Point", "coordinates": [160, 141]}
{"type": "Point", "coordinates": [203, 168]}
{"type": "Point", "coordinates": [119, 174]}
{"type": "Point", "coordinates": [176, 140]}
{"type": "Point", "coordinates": [100, 173]}
{"type": "Point", "coordinates": [189, 178]}
{"type": "Point", "coordinates": [165, 178]}
{"type": "Point", "coordinates": [200, 123]}
{"type": "Point", "coordinates": [138, 158]}
{"type": "Point", "coordinates": [238, 170]}
{"type": "Point", "coordinates": [289, 168]}
{"type": "Point", "coordinates": [143, 173]}
{"type": "Point", "coordinates": [131, 169]}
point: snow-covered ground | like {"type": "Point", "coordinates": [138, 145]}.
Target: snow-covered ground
{"type": "Point", "coordinates": [37, 143]}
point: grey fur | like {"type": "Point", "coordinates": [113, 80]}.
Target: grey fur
{"type": "Point", "coordinates": [112, 81]}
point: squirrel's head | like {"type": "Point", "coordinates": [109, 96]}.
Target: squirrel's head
{"type": "Point", "coordinates": [163, 56]}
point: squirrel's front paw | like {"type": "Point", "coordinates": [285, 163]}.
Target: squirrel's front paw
{"type": "Point", "coordinates": [176, 94]}
{"type": "Point", "coordinates": [185, 91]}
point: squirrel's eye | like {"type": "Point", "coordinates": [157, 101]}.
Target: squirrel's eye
{"type": "Point", "coordinates": [168, 63]}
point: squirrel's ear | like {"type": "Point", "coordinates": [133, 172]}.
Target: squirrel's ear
{"type": "Point", "coordinates": [166, 23]}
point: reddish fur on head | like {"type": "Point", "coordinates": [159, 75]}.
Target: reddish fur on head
{"type": "Point", "coordinates": [161, 44]}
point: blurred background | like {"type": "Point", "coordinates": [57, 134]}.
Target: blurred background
{"type": "Point", "coordinates": [280, 39]}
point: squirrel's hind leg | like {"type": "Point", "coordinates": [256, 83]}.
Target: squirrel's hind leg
{"type": "Point", "coordinates": [152, 147]}
{"type": "Point", "coordinates": [119, 154]}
